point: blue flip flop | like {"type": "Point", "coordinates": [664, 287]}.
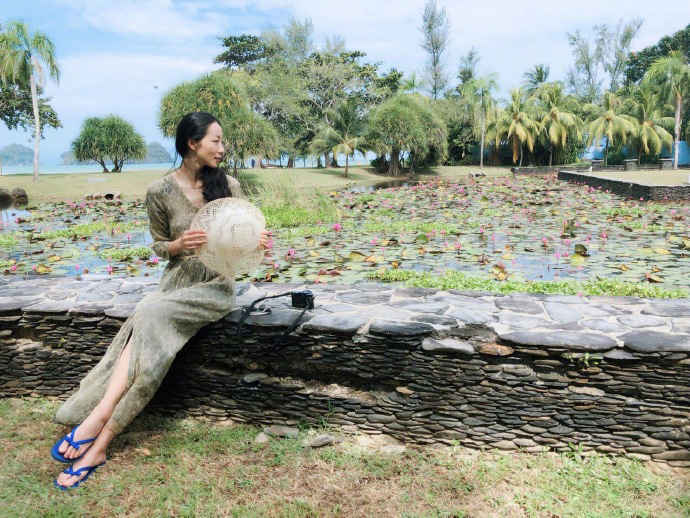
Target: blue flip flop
{"type": "Point", "coordinates": [74, 444]}
{"type": "Point", "coordinates": [70, 471]}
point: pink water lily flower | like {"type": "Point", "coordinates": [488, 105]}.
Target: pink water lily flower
{"type": "Point", "coordinates": [337, 227]}
{"type": "Point", "coordinates": [291, 252]}
{"type": "Point", "coordinates": [154, 259]}
{"type": "Point", "coordinates": [13, 268]}
{"type": "Point", "coordinates": [109, 269]}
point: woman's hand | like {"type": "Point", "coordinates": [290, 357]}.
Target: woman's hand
{"type": "Point", "coordinates": [189, 240]}
{"type": "Point", "coordinates": [266, 241]}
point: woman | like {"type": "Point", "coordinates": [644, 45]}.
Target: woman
{"type": "Point", "coordinates": [189, 297]}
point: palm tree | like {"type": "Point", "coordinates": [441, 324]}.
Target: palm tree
{"type": "Point", "coordinates": [477, 93]}
{"type": "Point", "coordinates": [23, 59]}
{"type": "Point", "coordinates": [535, 77]}
{"type": "Point", "coordinates": [344, 134]}
{"type": "Point", "coordinates": [557, 122]}
{"type": "Point", "coordinates": [646, 113]}
{"type": "Point", "coordinates": [412, 84]}
{"type": "Point", "coordinates": [522, 128]}
{"type": "Point", "coordinates": [672, 72]}
{"type": "Point", "coordinates": [611, 123]}
{"type": "Point", "coordinates": [496, 126]}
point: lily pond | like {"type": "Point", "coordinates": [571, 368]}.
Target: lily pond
{"type": "Point", "coordinates": [502, 229]}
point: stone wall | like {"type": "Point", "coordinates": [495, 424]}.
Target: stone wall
{"type": "Point", "coordinates": [629, 189]}
{"type": "Point", "coordinates": [510, 372]}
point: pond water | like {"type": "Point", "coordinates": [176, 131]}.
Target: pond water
{"type": "Point", "coordinates": [501, 228]}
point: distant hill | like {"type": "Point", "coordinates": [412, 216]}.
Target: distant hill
{"type": "Point", "coordinates": [16, 154]}
{"type": "Point", "coordinates": [155, 154]}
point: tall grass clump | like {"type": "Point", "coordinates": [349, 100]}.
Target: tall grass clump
{"type": "Point", "coordinates": [284, 205]}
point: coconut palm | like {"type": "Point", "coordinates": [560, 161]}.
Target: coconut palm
{"type": "Point", "coordinates": [24, 58]}
{"type": "Point", "coordinates": [536, 77]}
{"type": "Point", "coordinates": [611, 123]}
{"type": "Point", "coordinates": [496, 126]}
{"type": "Point", "coordinates": [522, 126]}
{"type": "Point", "coordinates": [477, 94]}
{"type": "Point", "coordinates": [344, 134]}
{"type": "Point", "coordinates": [672, 72]}
{"type": "Point", "coordinates": [557, 122]}
{"type": "Point", "coordinates": [647, 114]}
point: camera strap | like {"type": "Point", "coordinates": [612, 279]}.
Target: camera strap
{"type": "Point", "coordinates": [281, 338]}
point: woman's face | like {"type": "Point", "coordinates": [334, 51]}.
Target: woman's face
{"type": "Point", "coordinates": [209, 150]}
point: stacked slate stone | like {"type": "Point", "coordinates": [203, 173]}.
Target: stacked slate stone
{"type": "Point", "coordinates": [610, 374]}
{"type": "Point", "coordinates": [627, 188]}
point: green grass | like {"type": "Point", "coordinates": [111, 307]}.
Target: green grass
{"type": "Point", "coordinates": [126, 254]}
{"type": "Point", "coordinates": [285, 205]}
{"type": "Point", "coordinates": [460, 281]}
{"type": "Point", "coordinates": [133, 184]}
{"type": "Point", "coordinates": [163, 467]}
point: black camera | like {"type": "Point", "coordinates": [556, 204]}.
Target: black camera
{"type": "Point", "coordinates": [303, 299]}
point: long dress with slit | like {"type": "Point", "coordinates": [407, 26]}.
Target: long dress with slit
{"type": "Point", "coordinates": [188, 297]}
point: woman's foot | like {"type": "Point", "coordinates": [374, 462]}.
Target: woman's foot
{"type": "Point", "coordinates": [90, 428]}
{"type": "Point", "coordinates": [91, 458]}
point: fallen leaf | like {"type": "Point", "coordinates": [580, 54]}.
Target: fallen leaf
{"type": "Point", "coordinates": [42, 268]}
{"type": "Point", "coordinates": [356, 256]}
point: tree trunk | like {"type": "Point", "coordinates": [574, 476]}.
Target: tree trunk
{"type": "Point", "coordinates": [679, 105]}
{"type": "Point", "coordinates": [347, 163]}
{"type": "Point", "coordinates": [334, 162]}
{"type": "Point", "coordinates": [325, 160]}
{"type": "Point", "coordinates": [520, 165]}
{"type": "Point", "coordinates": [481, 145]}
{"type": "Point", "coordinates": [234, 168]}
{"type": "Point", "coordinates": [551, 156]}
{"type": "Point", "coordinates": [606, 153]}
{"type": "Point", "coordinates": [105, 168]}
{"type": "Point", "coordinates": [291, 161]}
{"type": "Point", "coordinates": [394, 167]}
{"type": "Point", "coordinates": [37, 120]}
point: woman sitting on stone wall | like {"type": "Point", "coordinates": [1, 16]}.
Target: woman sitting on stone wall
{"type": "Point", "coordinates": [189, 297]}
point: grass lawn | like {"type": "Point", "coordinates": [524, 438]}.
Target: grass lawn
{"type": "Point", "coordinates": [172, 467]}
{"type": "Point", "coordinates": [133, 184]}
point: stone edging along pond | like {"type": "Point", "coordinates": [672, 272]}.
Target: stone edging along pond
{"type": "Point", "coordinates": [528, 372]}
{"type": "Point", "coordinates": [629, 189]}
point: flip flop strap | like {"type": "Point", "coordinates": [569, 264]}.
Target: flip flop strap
{"type": "Point", "coordinates": [76, 444]}
{"type": "Point", "coordinates": [70, 471]}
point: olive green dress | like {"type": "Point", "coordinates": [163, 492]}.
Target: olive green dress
{"type": "Point", "coordinates": [188, 297]}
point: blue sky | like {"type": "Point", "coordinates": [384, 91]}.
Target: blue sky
{"type": "Point", "coordinates": [121, 56]}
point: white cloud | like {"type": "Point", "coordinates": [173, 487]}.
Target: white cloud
{"type": "Point", "coordinates": [154, 18]}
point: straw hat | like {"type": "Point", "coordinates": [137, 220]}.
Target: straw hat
{"type": "Point", "coordinates": [233, 227]}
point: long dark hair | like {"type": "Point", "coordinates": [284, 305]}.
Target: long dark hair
{"type": "Point", "coordinates": [194, 126]}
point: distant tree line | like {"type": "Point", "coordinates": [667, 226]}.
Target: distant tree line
{"type": "Point", "coordinates": [282, 96]}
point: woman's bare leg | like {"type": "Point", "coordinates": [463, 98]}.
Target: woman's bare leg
{"type": "Point", "coordinates": [95, 421]}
